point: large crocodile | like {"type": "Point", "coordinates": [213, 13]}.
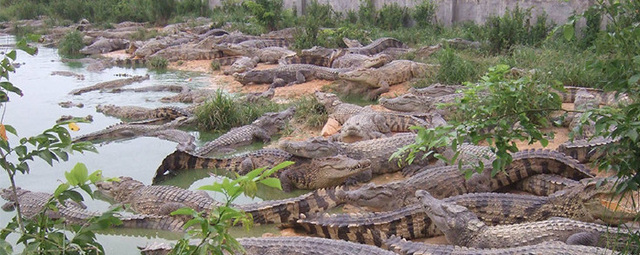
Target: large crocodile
{"type": "Point", "coordinates": [378, 151]}
{"type": "Point", "coordinates": [449, 181]}
{"type": "Point", "coordinates": [404, 247]}
{"type": "Point", "coordinates": [136, 113]}
{"type": "Point", "coordinates": [122, 131]}
{"type": "Point", "coordinates": [288, 245]}
{"type": "Point", "coordinates": [337, 109]}
{"type": "Point", "coordinates": [306, 173]}
{"type": "Point", "coordinates": [371, 125]}
{"type": "Point", "coordinates": [350, 61]}
{"type": "Point", "coordinates": [33, 203]}
{"type": "Point", "coordinates": [291, 74]}
{"type": "Point", "coordinates": [163, 199]}
{"type": "Point", "coordinates": [269, 55]}
{"type": "Point", "coordinates": [186, 52]}
{"type": "Point", "coordinates": [242, 65]}
{"type": "Point", "coordinates": [414, 102]}
{"type": "Point", "coordinates": [69, 74]}
{"type": "Point", "coordinates": [378, 80]}
{"type": "Point", "coordinates": [586, 150]}
{"type": "Point", "coordinates": [583, 201]}
{"type": "Point", "coordinates": [110, 84]}
{"type": "Point", "coordinates": [262, 129]}
{"type": "Point", "coordinates": [105, 45]}
{"type": "Point", "coordinates": [462, 227]}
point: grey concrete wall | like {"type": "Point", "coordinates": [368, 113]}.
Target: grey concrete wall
{"type": "Point", "coordinates": [453, 11]}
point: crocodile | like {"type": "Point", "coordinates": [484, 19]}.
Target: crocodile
{"type": "Point", "coordinates": [157, 199]}
{"type": "Point", "coordinates": [257, 96]}
{"type": "Point", "coordinates": [449, 181]}
{"type": "Point", "coordinates": [155, 88]}
{"type": "Point", "coordinates": [192, 96]}
{"type": "Point", "coordinates": [351, 43]}
{"type": "Point", "coordinates": [462, 227]}
{"type": "Point", "coordinates": [156, 44]}
{"type": "Point", "coordinates": [586, 150]}
{"type": "Point", "coordinates": [257, 43]}
{"type": "Point", "coordinates": [291, 74]}
{"type": "Point", "coordinates": [127, 131]}
{"type": "Point", "coordinates": [402, 246]}
{"type": "Point", "coordinates": [186, 52]}
{"type": "Point", "coordinates": [270, 55]}
{"type": "Point", "coordinates": [582, 201]}
{"type": "Point", "coordinates": [105, 45]}
{"type": "Point", "coordinates": [242, 65]}
{"type": "Point", "coordinates": [410, 102]}
{"type": "Point", "coordinates": [379, 79]}
{"type": "Point", "coordinates": [377, 46]}
{"type": "Point", "coordinates": [306, 173]}
{"type": "Point", "coordinates": [160, 199]}
{"type": "Point", "coordinates": [601, 97]}
{"type": "Point", "coordinates": [287, 245]}
{"type": "Point", "coordinates": [110, 84]}
{"type": "Point", "coordinates": [337, 109]}
{"type": "Point", "coordinates": [348, 61]}
{"type": "Point", "coordinates": [436, 90]}
{"type": "Point", "coordinates": [78, 76]}
{"type": "Point", "coordinates": [32, 203]}
{"type": "Point", "coordinates": [136, 113]}
{"type": "Point", "coordinates": [378, 151]}
{"type": "Point", "coordinates": [371, 125]}
{"type": "Point", "coordinates": [69, 104]}
{"type": "Point", "coordinates": [544, 184]}
{"type": "Point", "coordinates": [262, 128]}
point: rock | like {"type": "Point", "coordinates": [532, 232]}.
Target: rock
{"type": "Point", "coordinates": [332, 127]}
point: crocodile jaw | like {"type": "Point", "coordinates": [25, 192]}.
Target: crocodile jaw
{"type": "Point", "coordinates": [339, 168]}
{"type": "Point", "coordinates": [361, 75]}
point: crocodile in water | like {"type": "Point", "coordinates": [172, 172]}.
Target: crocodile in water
{"type": "Point", "coordinates": [110, 84]}
{"type": "Point", "coordinates": [136, 113]}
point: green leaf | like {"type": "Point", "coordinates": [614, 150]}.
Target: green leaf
{"type": "Point", "coordinates": [272, 182]}
{"type": "Point", "coordinates": [11, 129]}
{"type": "Point", "coordinates": [183, 211]}
{"type": "Point", "coordinates": [79, 173]}
{"type": "Point", "coordinates": [12, 55]}
{"type": "Point", "coordinates": [96, 176]}
{"type": "Point", "coordinates": [61, 188]}
{"type": "Point", "coordinates": [634, 80]}
{"type": "Point", "coordinates": [9, 87]}
{"type": "Point", "coordinates": [568, 32]}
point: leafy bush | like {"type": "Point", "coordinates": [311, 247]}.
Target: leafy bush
{"type": "Point", "coordinates": [71, 44]}
{"type": "Point", "coordinates": [310, 112]}
{"type": "Point", "coordinates": [161, 10]}
{"type": "Point", "coordinates": [198, 8]}
{"type": "Point", "coordinates": [367, 13]}
{"type": "Point", "coordinates": [268, 13]}
{"type": "Point", "coordinates": [424, 13]}
{"type": "Point", "coordinates": [453, 68]}
{"type": "Point", "coordinates": [392, 16]}
{"type": "Point", "coordinates": [514, 28]}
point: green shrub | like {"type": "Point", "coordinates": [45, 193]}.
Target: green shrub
{"type": "Point", "coordinates": [367, 13]}
{"type": "Point", "coordinates": [392, 16]}
{"type": "Point", "coordinates": [424, 13]}
{"type": "Point", "coordinates": [161, 10]}
{"type": "Point", "coordinates": [268, 13]}
{"type": "Point", "coordinates": [221, 112]}
{"type": "Point", "coordinates": [158, 63]}
{"type": "Point", "coordinates": [143, 34]}
{"type": "Point", "coordinates": [198, 8]}
{"type": "Point", "coordinates": [71, 44]}
{"type": "Point", "coordinates": [215, 65]}
{"type": "Point", "coordinates": [514, 28]}
{"type": "Point", "coordinates": [453, 68]}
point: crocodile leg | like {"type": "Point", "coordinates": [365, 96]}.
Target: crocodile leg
{"type": "Point", "coordinates": [383, 87]}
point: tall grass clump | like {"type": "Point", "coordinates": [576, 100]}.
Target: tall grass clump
{"type": "Point", "coordinates": [424, 13]}
{"type": "Point", "coordinates": [392, 16]}
{"type": "Point", "coordinates": [310, 112]}
{"type": "Point", "coordinates": [197, 8]}
{"type": "Point", "coordinates": [317, 16]}
{"type": "Point", "coordinates": [158, 63]}
{"type": "Point", "coordinates": [513, 28]}
{"type": "Point", "coordinates": [71, 44]}
{"type": "Point", "coordinates": [268, 13]}
{"type": "Point", "coordinates": [453, 68]}
{"type": "Point", "coordinates": [367, 13]}
{"type": "Point", "coordinates": [222, 112]}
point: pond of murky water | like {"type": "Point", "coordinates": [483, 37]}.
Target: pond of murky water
{"type": "Point", "coordinates": [38, 110]}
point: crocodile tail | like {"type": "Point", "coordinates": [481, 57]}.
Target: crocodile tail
{"type": "Point", "coordinates": [289, 210]}
{"type": "Point", "coordinates": [307, 59]}
{"type": "Point", "coordinates": [535, 161]}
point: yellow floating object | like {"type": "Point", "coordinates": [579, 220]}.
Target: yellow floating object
{"type": "Point", "coordinates": [73, 126]}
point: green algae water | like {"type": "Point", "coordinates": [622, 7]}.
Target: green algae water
{"type": "Point", "coordinates": [38, 110]}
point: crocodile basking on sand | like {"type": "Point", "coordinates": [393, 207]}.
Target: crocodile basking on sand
{"type": "Point", "coordinates": [306, 173]}
{"type": "Point", "coordinates": [137, 113]}
{"type": "Point", "coordinates": [261, 129]}
{"type": "Point", "coordinates": [371, 125]}
{"type": "Point", "coordinates": [185, 52]}
{"type": "Point", "coordinates": [242, 65]}
{"type": "Point", "coordinates": [110, 84]}
{"type": "Point", "coordinates": [378, 151]}
{"type": "Point", "coordinates": [270, 55]}
{"type": "Point", "coordinates": [288, 245]}
{"type": "Point", "coordinates": [291, 74]}
{"type": "Point", "coordinates": [349, 61]}
{"type": "Point", "coordinates": [378, 80]}
{"type": "Point", "coordinates": [462, 227]}
{"type": "Point", "coordinates": [582, 201]}
{"type": "Point", "coordinates": [404, 247]}
{"type": "Point", "coordinates": [337, 109]}
{"type": "Point", "coordinates": [449, 181]}
{"type": "Point", "coordinates": [32, 203]}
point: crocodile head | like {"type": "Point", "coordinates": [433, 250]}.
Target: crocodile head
{"type": "Point", "coordinates": [599, 201]}
{"type": "Point", "coordinates": [361, 75]}
{"type": "Point", "coordinates": [406, 103]}
{"type": "Point", "coordinates": [7, 194]}
{"type": "Point", "coordinates": [333, 171]}
{"type": "Point", "coordinates": [353, 127]}
{"type": "Point", "coordinates": [119, 190]}
{"type": "Point", "coordinates": [318, 51]}
{"type": "Point", "coordinates": [377, 60]}
{"type": "Point", "coordinates": [453, 220]}
{"type": "Point", "coordinates": [230, 49]}
{"type": "Point", "coordinates": [377, 197]}
{"type": "Point", "coordinates": [316, 147]}
{"type": "Point", "coordinates": [329, 100]}
{"type": "Point", "coordinates": [252, 76]}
